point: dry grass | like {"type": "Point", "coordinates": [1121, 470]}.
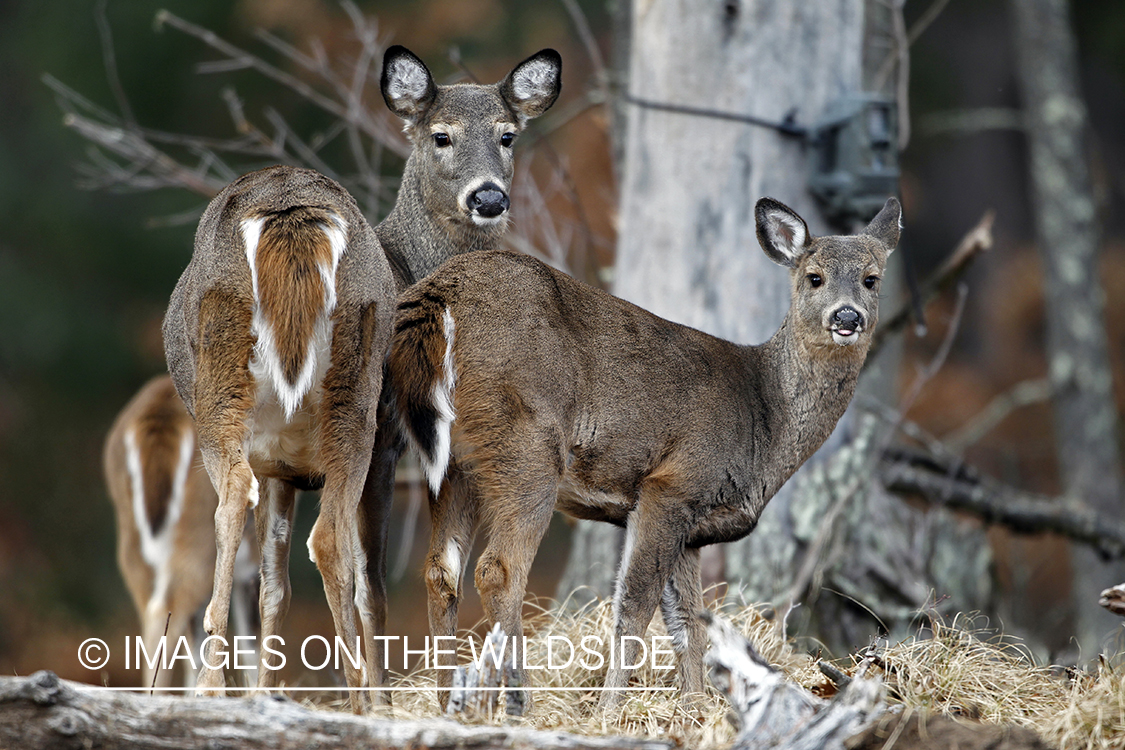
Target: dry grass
{"type": "Point", "coordinates": [952, 668]}
{"type": "Point", "coordinates": [958, 669]}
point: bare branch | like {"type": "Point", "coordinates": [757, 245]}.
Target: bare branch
{"type": "Point", "coordinates": [962, 488]}
{"type": "Point", "coordinates": [975, 242]}
{"type": "Point", "coordinates": [360, 118]}
{"type": "Point", "coordinates": [1021, 394]}
{"type": "Point", "coordinates": [105, 35]}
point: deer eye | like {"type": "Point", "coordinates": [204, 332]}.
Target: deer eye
{"type": "Point", "coordinates": [814, 280]}
{"type": "Point", "coordinates": [441, 140]}
{"type": "Point", "coordinates": [869, 282]}
{"type": "Point", "coordinates": [507, 140]}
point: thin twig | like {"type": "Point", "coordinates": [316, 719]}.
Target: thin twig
{"type": "Point", "coordinates": [978, 240]}
{"type": "Point", "coordinates": [105, 36]}
{"type": "Point", "coordinates": [160, 650]}
{"type": "Point", "coordinates": [1021, 394]}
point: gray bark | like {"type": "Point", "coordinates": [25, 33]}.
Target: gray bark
{"type": "Point", "coordinates": [43, 711]}
{"type": "Point", "coordinates": [1068, 238]}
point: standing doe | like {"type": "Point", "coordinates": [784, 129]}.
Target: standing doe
{"type": "Point", "coordinates": [527, 391]}
{"type": "Point", "coordinates": [275, 338]}
{"type": "Point", "coordinates": [165, 507]}
{"type": "Point", "coordinates": [453, 199]}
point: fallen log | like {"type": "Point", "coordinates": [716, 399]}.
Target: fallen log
{"type": "Point", "coordinates": [42, 711]}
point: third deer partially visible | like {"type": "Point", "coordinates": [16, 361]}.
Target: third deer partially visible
{"type": "Point", "coordinates": [165, 508]}
{"type": "Point", "coordinates": [527, 391]}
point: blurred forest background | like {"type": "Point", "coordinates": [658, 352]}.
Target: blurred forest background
{"type": "Point", "coordinates": [85, 274]}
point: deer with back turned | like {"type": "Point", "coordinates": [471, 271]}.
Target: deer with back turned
{"type": "Point", "coordinates": [275, 338]}
{"type": "Point", "coordinates": [526, 391]}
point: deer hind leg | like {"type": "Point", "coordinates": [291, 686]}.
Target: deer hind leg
{"type": "Point", "coordinates": [680, 604]}
{"type": "Point", "coordinates": [348, 417]}
{"type": "Point", "coordinates": [518, 518]}
{"type": "Point", "coordinates": [375, 515]}
{"type": "Point", "coordinates": [335, 548]}
{"type": "Point", "coordinates": [653, 542]}
{"type": "Point", "coordinates": [273, 522]}
{"type": "Point", "coordinates": [224, 394]}
{"type": "Point", "coordinates": [453, 515]}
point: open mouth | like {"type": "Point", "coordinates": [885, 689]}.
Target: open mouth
{"type": "Point", "coordinates": [845, 336]}
{"type": "Point", "coordinates": [487, 221]}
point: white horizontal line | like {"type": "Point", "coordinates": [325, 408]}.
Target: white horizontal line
{"type": "Point", "coordinates": [370, 689]}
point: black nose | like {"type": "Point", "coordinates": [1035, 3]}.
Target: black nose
{"type": "Point", "coordinates": [847, 316]}
{"type": "Point", "coordinates": [488, 200]}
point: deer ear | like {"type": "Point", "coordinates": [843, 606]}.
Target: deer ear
{"type": "Point", "coordinates": [408, 87]}
{"type": "Point", "coordinates": [533, 85]}
{"type": "Point", "coordinates": [886, 225]}
{"type": "Point", "coordinates": [781, 232]}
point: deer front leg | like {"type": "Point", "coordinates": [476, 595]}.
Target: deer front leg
{"type": "Point", "coordinates": [653, 542]}
{"type": "Point", "coordinates": [680, 604]}
{"type": "Point", "coordinates": [274, 526]}
{"type": "Point", "coordinates": [454, 520]}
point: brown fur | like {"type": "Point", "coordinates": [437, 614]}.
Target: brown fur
{"type": "Point", "coordinates": [159, 427]}
{"type": "Point", "coordinates": [432, 221]}
{"type": "Point", "coordinates": [291, 251]}
{"type": "Point", "coordinates": [566, 397]}
{"type": "Point", "coordinates": [159, 423]}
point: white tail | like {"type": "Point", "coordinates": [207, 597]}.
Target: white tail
{"type": "Point", "coordinates": [165, 508]}
{"type": "Point", "coordinates": [566, 397]}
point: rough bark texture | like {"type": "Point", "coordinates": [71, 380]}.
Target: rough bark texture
{"type": "Point", "coordinates": [1068, 237]}
{"type": "Point", "coordinates": [45, 712]}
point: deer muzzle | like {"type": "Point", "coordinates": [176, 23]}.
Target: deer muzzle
{"type": "Point", "coordinates": [845, 324]}
{"type": "Point", "coordinates": [487, 202]}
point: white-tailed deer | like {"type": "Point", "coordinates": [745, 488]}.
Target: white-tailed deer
{"type": "Point", "coordinates": [165, 508]}
{"type": "Point", "coordinates": [526, 391]}
{"type": "Point", "coordinates": [453, 199]}
{"type": "Point", "coordinates": [275, 338]}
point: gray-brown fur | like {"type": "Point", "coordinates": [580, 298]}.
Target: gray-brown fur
{"type": "Point", "coordinates": [261, 436]}
{"type": "Point", "coordinates": [566, 397]}
{"type": "Point", "coordinates": [432, 221]}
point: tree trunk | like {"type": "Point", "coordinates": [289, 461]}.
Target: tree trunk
{"type": "Point", "coordinates": [1068, 238]}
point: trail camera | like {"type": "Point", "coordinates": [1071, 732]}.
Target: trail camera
{"type": "Point", "coordinates": [855, 157]}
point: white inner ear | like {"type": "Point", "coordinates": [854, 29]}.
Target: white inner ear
{"type": "Point", "coordinates": [786, 233]}
{"type": "Point", "coordinates": [407, 80]}
{"type": "Point", "coordinates": [536, 78]}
